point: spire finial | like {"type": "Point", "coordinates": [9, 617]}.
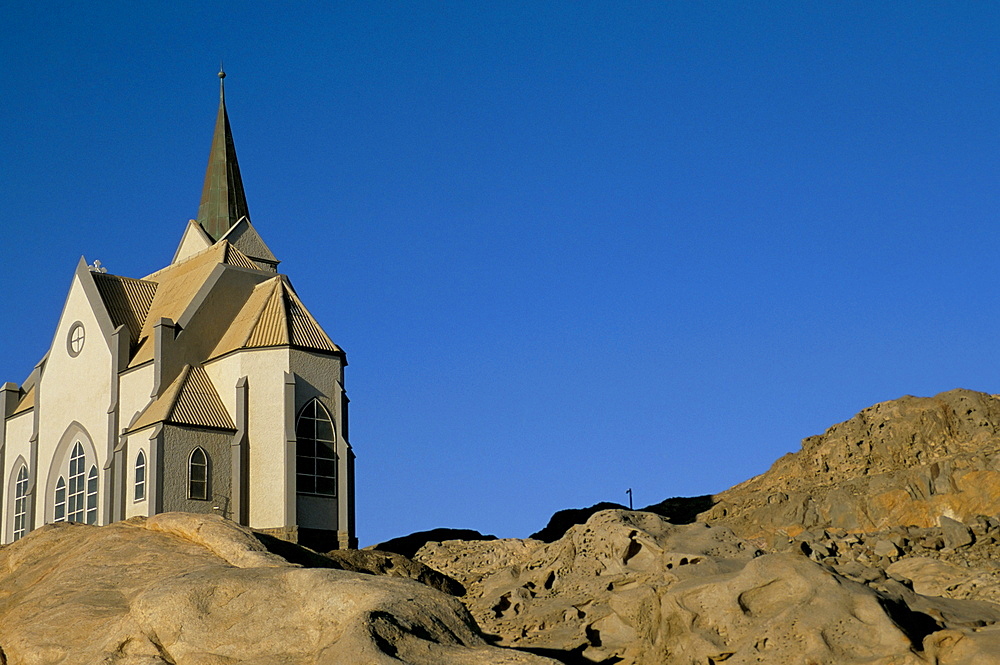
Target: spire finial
{"type": "Point", "coordinates": [223, 202]}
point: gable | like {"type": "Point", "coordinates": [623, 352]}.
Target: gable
{"type": "Point", "coordinates": [193, 241]}
{"type": "Point", "coordinates": [190, 400]}
{"type": "Point", "coordinates": [127, 301]}
{"type": "Point", "coordinates": [272, 316]}
{"type": "Point", "coordinates": [245, 238]}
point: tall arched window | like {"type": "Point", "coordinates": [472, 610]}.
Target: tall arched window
{"type": "Point", "coordinates": [92, 496]}
{"type": "Point", "coordinates": [21, 503]}
{"type": "Point", "coordinates": [77, 484]}
{"type": "Point", "coordinates": [315, 451]}
{"type": "Point", "coordinates": [140, 476]}
{"type": "Point", "coordinates": [60, 509]}
{"type": "Point", "coordinates": [198, 475]}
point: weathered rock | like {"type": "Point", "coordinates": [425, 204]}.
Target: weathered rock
{"type": "Point", "coordinates": [197, 590]}
{"type": "Point", "coordinates": [631, 588]}
{"type": "Point", "coordinates": [886, 548]}
{"type": "Point", "coordinates": [904, 462]}
{"type": "Point", "coordinates": [954, 533]}
{"type": "Point", "coordinates": [409, 544]}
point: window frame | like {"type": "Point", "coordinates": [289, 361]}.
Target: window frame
{"type": "Point", "coordinates": [309, 443]}
{"type": "Point", "coordinates": [139, 477]}
{"type": "Point", "coordinates": [90, 503]}
{"type": "Point", "coordinates": [20, 524]}
{"type": "Point", "coordinates": [76, 487]}
{"type": "Point", "coordinates": [198, 486]}
{"type": "Point", "coordinates": [59, 504]}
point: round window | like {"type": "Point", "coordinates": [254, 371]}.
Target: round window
{"type": "Point", "coordinates": [74, 342]}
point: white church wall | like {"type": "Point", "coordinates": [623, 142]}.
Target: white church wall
{"type": "Point", "coordinates": [135, 387]}
{"type": "Point", "coordinates": [134, 444]}
{"type": "Point", "coordinates": [75, 387]}
{"type": "Point", "coordinates": [17, 448]}
{"type": "Point", "coordinates": [272, 496]}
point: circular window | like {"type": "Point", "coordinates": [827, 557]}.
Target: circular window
{"type": "Point", "coordinates": [74, 342]}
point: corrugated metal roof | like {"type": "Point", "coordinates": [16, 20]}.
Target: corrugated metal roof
{"type": "Point", "coordinates": [159, 410]}
{"type": "Point", "coordinates": [199, 404]}
{"type": "Point", "coordinates": [272, 325]}
{"type": "Point", "coordinates": [305, 331]}
{"type": "Point", "coordinates": [177, 285]}
{"type": "Point", "coordinates": [244, 322]}
{"type": "Point", "coordinates": [127, 300]}
{"type": "Point", "coordinates": [27, 402]}
{"type": "Point", "coordinates": [190, 400]}
{"type": "Point", "coordinates": [235, 257]}
{"type": "Point", "coordinates": [274, 316]}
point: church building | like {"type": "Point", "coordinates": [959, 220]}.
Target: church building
{"type": "Point", "coordinates": [205, 387]}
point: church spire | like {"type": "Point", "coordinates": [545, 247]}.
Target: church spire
{"type": "Point", "coordinates": [223, 201]}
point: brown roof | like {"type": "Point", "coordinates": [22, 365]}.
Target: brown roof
{"type": "Point", "coordinates": [274, 316]}
{"type": "Point", "coordinates": [178, 284]}
{"type": "Point", "coordinates": [190, 400]}
{"type": "Point", "coordinates": [127, 300]}
{"type": "Point", "coordinates": [235, 257]}
{"type": "Point", "coordinates": [27, 402]}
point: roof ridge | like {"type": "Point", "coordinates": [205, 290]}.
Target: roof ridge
{"type": "Point", "coordinates": [215, 247]}
{"type": "Point", "coordinates": [317, 328]}
{"type": "Point", "coordinates": [198, 402]}
{"type": "Point", "coordinates": [181, 382]}
{"type": "Point", "coordinates": [108, 275]}
{"type": "Point", "coordinates": [274, 283]}
{"type": "Point", "coordinates": [243, 261]}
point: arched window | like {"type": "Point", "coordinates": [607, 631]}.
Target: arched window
{"type": "Point", "coordinates": [60, 510]}
{"type": "Point", "coordinates": [140, 476]}
{"type": "Point", "coordinates": [315, 451]}
{"type": "Point", "coordinates": [77, 484]}
{"type": "Point", "coordinates": [92, 496]}
{"type": "Point", "coordinates": [21, 503]}
{"type": "Point", "coordinates": [198, 475]}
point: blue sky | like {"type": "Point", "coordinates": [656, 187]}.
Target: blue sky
{"type": "Point", "coordinates": [570, 248]}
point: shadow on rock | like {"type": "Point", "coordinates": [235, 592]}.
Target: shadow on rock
{"type": "Point", "coordinates": [574, 657]}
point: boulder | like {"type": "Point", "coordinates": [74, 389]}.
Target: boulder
{"type": "Point", "coordinates": [631, 588]}
{"type": "Point", "coordinates": [199, 590]}
{"type": "Point", "coordinates": [954, 533]}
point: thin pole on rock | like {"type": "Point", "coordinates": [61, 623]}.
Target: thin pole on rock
{"type": "Point", "coordinates": [629, 492]}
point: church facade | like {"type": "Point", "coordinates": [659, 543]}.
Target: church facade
{"type": "Point", "coordinates": [206, 386]}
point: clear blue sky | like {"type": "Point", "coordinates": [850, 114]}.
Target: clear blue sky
{"type": "Point", "coordinates": [570, 247]}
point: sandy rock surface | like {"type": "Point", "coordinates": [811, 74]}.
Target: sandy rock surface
{"type": "Point", "coordinates": [629, 587]}
{"type": "Point", "coordinates": [908, 461]}
{"type": "Point", "coordinates": [197, 590]}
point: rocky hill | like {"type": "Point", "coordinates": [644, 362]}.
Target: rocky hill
{"type": "Point", "coordinates": [901, 463]}
{"type": "Point", "coordinates": [877, 543]}
{"type": "Point", "coordinates": [183, 589]}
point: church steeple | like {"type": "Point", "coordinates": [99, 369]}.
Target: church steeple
{"type": "Point", "coordinates": [223, 201]}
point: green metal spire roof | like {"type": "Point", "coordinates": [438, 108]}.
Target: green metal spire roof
{"type": "Point", "coordinates": [223, 201]}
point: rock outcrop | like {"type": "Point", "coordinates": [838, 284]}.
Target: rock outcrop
{"type": "Point", "coordinates": [908, 462]}
{"type": "Point", "coordinates": [197, 590]}
{"type": "Point", "coordinates": [878, 544]}
{"type": "Point", "coordinates": [629, 587]}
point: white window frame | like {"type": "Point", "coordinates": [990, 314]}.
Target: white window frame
{"type": "Point", "coordinates": [92, 487]}
{"type": "Point", "coordinates": [21, 503]}
{"type": "Point", "coordinates": [59, 510]}
{"type": "Point", "coordinates": [139, 492]}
